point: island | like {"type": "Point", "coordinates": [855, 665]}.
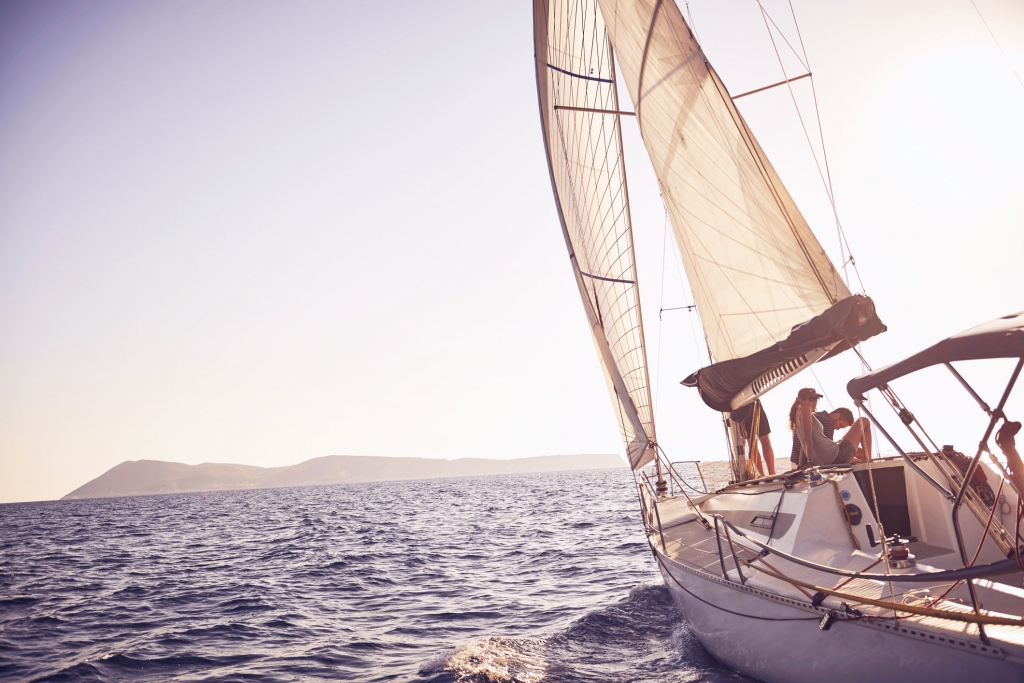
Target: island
{"type": "Point", "coordinates": [152, 477]}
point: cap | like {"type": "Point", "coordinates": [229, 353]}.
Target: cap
{"type": "Point", "coordinates": [808, 394]}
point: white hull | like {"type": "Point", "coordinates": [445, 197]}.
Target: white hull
{"type": "Point", "coordinates": [778, 643]}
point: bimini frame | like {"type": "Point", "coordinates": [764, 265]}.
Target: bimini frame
{"type": "Point", "coordinates": [1001, 338]}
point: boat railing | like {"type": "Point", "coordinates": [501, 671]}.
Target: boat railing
{"type": "Point", "coordinates": [758, 551]}
{"type": "Point", "coordinates": [652, 518]}
{"type": "Point", "coordinates": [679, 476]}
{"type": "Point", "coordinates": [649, 504]}
{"type": "Point", "coordinates": [676, 482]}
{"type": "Point", "coordinates": [966, 574]}
{"type": "Point", "coordinates": [732, 550]}
{"type": "Point", "coordinates": [960, 484]}
{"type": "Point", "coordinates": [946, 576]}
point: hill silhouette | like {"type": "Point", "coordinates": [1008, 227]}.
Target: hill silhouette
{"type": "Point", "coordinates": [148, 477]}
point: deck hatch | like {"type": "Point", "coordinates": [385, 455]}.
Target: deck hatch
{"type": "Point", "coordinates": [891, 490]}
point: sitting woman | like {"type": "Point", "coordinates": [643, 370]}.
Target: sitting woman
{"type": "Point", "coordinates": [855, 446]}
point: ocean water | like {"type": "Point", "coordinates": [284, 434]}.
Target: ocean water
{"type": "Point", "coordinates": [542, 577]}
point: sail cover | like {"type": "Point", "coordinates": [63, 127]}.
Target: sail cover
{"type": "Point", "coordinates": [582, 137]}
{"type": "Point", "coordinates": [755, 267]}
{"type": "Point", "coordinates": [839, 328]}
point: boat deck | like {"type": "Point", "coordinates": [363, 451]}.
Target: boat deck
{"type": "Point", "coordinates": [687, 542]}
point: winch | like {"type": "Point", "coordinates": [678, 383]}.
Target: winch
{"type": "Point", "coordinates": [900, 556]}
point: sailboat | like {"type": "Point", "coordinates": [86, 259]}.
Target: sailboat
{"type": "Point", "coordinates": [901, 568]}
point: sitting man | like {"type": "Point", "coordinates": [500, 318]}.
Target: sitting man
{"type": "Point", "coordinates": [744, 419]}
{"type": "Point", "coordinates": [818, 449]}
{"type": "Point", "coordinates": [840, 418]}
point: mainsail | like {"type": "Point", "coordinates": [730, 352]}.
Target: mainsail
{"type": "Point", "coordinates": [582, 137]}
{"type": "Point", "coordinates": [755, 268]}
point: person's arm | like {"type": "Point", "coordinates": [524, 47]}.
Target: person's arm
{"type": "Point", "coordinates": [769, 454]}
{"type": "Point", "coordinates": [1008, 445]}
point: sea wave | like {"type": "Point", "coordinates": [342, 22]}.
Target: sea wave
{"type": "Point", "coordinates": [523, 578]}
{"type": "Point", "coordinates": [641, 637]}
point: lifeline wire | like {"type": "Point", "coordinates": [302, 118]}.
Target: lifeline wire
{"type": "Point", "coordinates": [994, 40]}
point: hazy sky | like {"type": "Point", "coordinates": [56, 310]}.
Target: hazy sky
{"type": "Point", "coordinates": [261, 232]}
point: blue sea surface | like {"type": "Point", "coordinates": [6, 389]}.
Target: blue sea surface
{"type": "Point", "coordinates": [540, 577]}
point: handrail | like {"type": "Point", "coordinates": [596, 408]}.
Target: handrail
{"type": "Point", "coordinates": [718, 541]}
{"type": "Point", "coordinates": [970, 390]}
{"type": "Point", "coordinates": [947, 576]}
{"type": "Point", "coordinates": [643, 505]}
{"type": "Point", "coordinates": [659, 453]}
{"type": "Point", "coordinates": [969, 476]}
{"type": "Point", "coordinates": [657, 514]}
{"type": "Point", "coordinates": [735, 559]}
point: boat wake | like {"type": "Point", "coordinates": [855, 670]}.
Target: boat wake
{"type": "Point", "coordinates": [640, 637]}
{"type": "Point", "coordinates": [497, 660]}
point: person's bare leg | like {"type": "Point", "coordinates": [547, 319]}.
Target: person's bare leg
{"type": "Point", "coordinates": [860, 435]}
{"type": "Point", "coordinates": [768, 453]}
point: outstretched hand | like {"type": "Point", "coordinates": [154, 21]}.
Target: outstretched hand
{"type": "Point", "coordinates": [1005, 435]}
{"type": "Point", "coordinates": [1006, 442]}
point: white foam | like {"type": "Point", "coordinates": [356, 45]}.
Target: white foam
{"type": "Point", "coordinates": [497, 660]}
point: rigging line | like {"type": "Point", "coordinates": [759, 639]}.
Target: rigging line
{"type": "Point", "coordinates": [771, 36]}
{"type": "Point", "coordinates": [657, 372]}
{"type": "Point", "coordinates": [828, 172]}
{"type": "Point", "coordinates": [799, 115]}
{"type": "Point", "coordinates": [821, 386]}
{"type": "Point", "coordinates": [994, 40]}
{"type": "Point", "coordinates": [775, 514]}
{"type": "Point", "coordinates": [804, 61]}
{"type": "Point", "coordinates": [693, 27]}
{"type": "Point", "coordinates": [622, 426]}
{"type": "Point", "coordinates": [865, 367]}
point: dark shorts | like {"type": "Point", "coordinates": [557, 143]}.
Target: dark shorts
{"type": "Point", "coordinates": [744, 418]}
{"type": "Point", "coordinates": [847, 452]}
{"type": "Point", "coordinates": [841, 453]}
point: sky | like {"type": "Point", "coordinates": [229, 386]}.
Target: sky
{"type": "Point", "coordinates": [262, 232]}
